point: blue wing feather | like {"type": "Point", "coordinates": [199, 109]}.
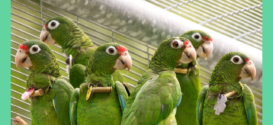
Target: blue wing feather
{"type": "Point", "coordinates": [121, 102]}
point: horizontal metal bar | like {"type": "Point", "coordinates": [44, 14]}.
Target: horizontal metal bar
{"type": "Point", "coordinates": [25, 6]}
{"type": "Point", "coordinates": [19, 72]}
{"type": "Point", "coordinates": [18, 85]}
{"type": "Point", "coordinates": [20, 115]}
{"type": "Point", "coordinates": [18, 79]}
{"type": "Point", "coordinates": [26, 19]}
{"type": "Point", "coordinates": [20, 108]}
{"type": "Point", "coordinates": [26, 13]}
{"type": "Point", "coordinates": [25, 32]}
{"type": "Point", "coordinates": [24, 25]}
{"type": "Point", "coordinates": [130, 77]}
{"type": "Point", "coordinates": [95, 24]}
{"type": "Point", "coordinates": [19, 100]}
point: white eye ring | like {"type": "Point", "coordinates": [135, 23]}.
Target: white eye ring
{"type": "Point", "coordinates": [34, 49]}
{"type": "Point", "coordinates": [53, 24]}
{"type": "Point", "coordinates": [197, 37]}
{"type": "Point", "coordinates": [236, 59]}
{"type": "Point", "coordinates": [112, 50]}
{"type": "Point", "coordinates": [177, 44]}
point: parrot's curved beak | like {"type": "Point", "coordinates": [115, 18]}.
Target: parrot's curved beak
{"type": "Point", "coordinates": [124, 61]}
{"type": "Point", "coordinates": [189, 53]}
{"type": "Point", "coordinates": [248, 70]}
{"type": "Point", "coordinates": [205, 49]}
{"type": "Point", "coordinates": [22, 59]}
{"type": "Point", "coordinates": [45, 36]}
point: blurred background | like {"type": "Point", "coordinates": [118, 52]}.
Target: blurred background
{"type": "Point", "coordinates": [141, 26]}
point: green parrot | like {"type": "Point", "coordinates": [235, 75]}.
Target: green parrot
{"type": "Point", "coordinates": [189, 78]}
{"type": "Point", "coordinates": [158, 92]}
{"type": "Point", "coordinates": [51, 108]}
{"type": "Point", "coordinates": [87, 106]}
{"type": "Point", "coordinates": [226, 100]}
{"type": "Point", "coordinates": [76, 45]}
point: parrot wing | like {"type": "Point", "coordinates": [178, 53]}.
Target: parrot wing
{"type": "Point", "coordinates": [170, 120]}
{"type": "Point", "coordinates": [117, 76]}
{"type": "Point", "coordinates": [73, 106]}
{"type": "Point", "coordinates": [122, 94]}
{"type": "Point", "coordinates": [200, 103]}
{"type": "Point", "coordinates": [63, 91]}
{"type": "Point", "coordinates": [155, 100]}
{"type": "Point", "coordinates": [77, 75]}
{"type": "Point", "coordinates": [250, 107]}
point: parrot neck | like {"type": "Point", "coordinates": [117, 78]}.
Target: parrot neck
{"type": "Point", "coordinates": [99, 79]}
{"type": "Point", "coordinates": [223, 77]}
{"type": "Point", "coordinates": [97, 74]}
{"type": "Point", "coordinates": [77, 40]}
{"type": "Point", "coordinates": [159, 64]}
{"type": "Point", "coordinates": [51, 68]}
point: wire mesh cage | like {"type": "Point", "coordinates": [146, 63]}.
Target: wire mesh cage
{"type": "Point", "coordinates": [28, 17]}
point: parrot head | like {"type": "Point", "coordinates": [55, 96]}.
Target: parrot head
{"type": "Point", "coordinates": [234, 66]}
{"type": "Point", "coordinates": [173, 52]}
{"type": "Point", "coordinates": [201, 41]}
{"type": "Point", "coordinates": [109, 57]}
{"type": "Point", "coordinates": [58, 30]}
{"type": "Point", "coordinates": [35, 55]}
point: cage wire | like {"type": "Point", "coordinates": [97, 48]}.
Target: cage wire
{"type": "Point", "coordinates": [28, 17]}
{"type": "Point", "coordinates": [241, 20]}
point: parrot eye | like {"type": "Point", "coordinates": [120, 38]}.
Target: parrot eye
{"type": "Point", "coordinates": [111, 50]}
{"type": "Point", "coordinates": [197, 37]}
{"type": "Point", "coordinates": [236, 59]}
{"type": "Point", "coordinates": [53, 24]}
{"type": "Point", "coordinates": [176, 44]}
{"type": "Point", "coordinates": [34, 49]}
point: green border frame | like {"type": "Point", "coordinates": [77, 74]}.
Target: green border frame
{"type": "Point", "coordinates": [5, 62]}
{"type": "Point", "coordinates": [267, 51]}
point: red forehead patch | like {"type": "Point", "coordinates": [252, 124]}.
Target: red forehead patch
{"type": "Point", "coordinates": [187, 42]}
{"type": "Point", "coordinates": [210, 39]}
{"type": "Point", "coordinates": [246, 60]}
{"type": "Point", "coordinates": [121, 49]}
{"type": "Point", "coordinates": [205, 38]}
{"type": "Point", "coordinates": [24, 47]}
{"type": "Point", "coordinates": [45, 26]}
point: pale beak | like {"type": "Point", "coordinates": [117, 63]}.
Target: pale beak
{"type": "Point", "coordinates": [205, 50]}
{"type": "Point", "coordinates": [124, 61]}
{"type": "Point", "coordinates": [248, 70]}
{"type": "Point", "coordinates": [46, 37]}
{"type": "Point", "coordinates": [22, 59]}
{"type": "Point", "coordinates": [188, 55]}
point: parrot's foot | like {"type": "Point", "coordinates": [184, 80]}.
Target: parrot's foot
{"type": "Point", "coordinates": [194, 68]}
{"type": "Point", "coordinates": [220, 105]}
{"type": "Point", "coordinates": [69, 61]}
{"type": "Point", "coordinates": [18, 120]}
{"type": "Point", "coordinates": [67, 69]}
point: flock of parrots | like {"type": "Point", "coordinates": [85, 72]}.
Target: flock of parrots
{"type": "Point", "coordinates": [168, 93]}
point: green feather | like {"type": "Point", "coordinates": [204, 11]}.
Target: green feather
{"type": "Point", "coordinates": [190, 84]}
{"type": "Point", "coordinates": [76, 43]}
{"type": "Point", "coordinates": [45, 74]}
{"type": "Point", "coordinates": [240, 108]}
{"type": "Point", "coordinates": [101, 108]}
{"type": "Point", "coordinates": [157, 92]}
